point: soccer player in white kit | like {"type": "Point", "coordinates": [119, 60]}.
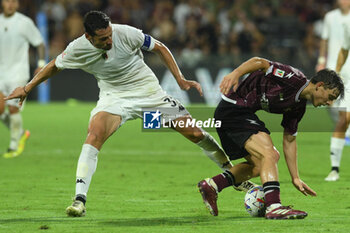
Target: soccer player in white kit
{"type": "Point", "coordinates": [111, 52]}
{"type": "Point", "coordinates": [17, 31]}
{"type": "Point", "coordinates": [332, 39]}
{"type": "Point", "coordinates": [343, 124]}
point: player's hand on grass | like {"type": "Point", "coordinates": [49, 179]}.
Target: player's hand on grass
{"type": "Point", "coordinates": [19, 93]}
{"type": "Point", "coordinates": [187, 84]}
{"type": "Point", "coordinates": [303, 188]}
{"type": "Point", "coordinates": [227, 83]}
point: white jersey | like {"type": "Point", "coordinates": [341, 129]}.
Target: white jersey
{"type": "Point", "coordinates": [346, 37]}
{"type": "Point", "coordinates": [16, 33]}
{"type": "Point", "coordinates": [120, 70]}
{"type": "Point", "coordinates": [333, 31]}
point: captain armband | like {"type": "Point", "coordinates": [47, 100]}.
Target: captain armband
{"type": "Point", "coordinates": [148, 43]}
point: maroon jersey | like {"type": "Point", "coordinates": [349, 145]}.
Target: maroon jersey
{"type": "Point", "coordinates": [276, 91]}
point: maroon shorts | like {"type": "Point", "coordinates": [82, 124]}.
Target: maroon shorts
{"type": "Point", "coordinates": [237, 125]}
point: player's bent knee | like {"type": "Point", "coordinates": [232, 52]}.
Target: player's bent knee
{"type": "Point", "coordinates": [271, 154]}
{"type": "Point", "coordinates": [96, 138]}
{"type": "Point", "coordinates": [275, 155]}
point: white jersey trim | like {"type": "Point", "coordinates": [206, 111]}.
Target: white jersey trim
{"type": "Point", "coordinates": [300, 90]}
{"type": "Point", "coordinates": [228, 100]}
{"type": "Point", "coordinates": [269, 70]}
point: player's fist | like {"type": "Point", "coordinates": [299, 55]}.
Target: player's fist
{"type": "Point", "coordinates": [188, 84]}
{"type": "Point", "coordinates": [20, 93]}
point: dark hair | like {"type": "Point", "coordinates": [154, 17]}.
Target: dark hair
{"type": "Point", "coordinates": [330, 79]}
{"type": "Point", "coordinates": [94, 20]}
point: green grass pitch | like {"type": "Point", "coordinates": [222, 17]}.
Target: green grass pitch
{"type": "Point", "coordinates": [146, 182]}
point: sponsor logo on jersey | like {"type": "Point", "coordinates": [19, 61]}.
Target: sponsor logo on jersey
{"type": "Point", "coordinates": [278, 73]}
{"type": "Point", "coordinates": [289, 75]}
{"type": "Point", "coordinates": [152, 119]}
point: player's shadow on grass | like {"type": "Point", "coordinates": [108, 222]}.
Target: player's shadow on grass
{"type": "Point", "coordinates": [134, 222]}
{"type": "Point", "coordinates": [171, 221]}
{"type": "Point", "coordinates": [44, 220]}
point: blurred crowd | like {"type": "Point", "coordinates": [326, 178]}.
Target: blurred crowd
{"type": "Point", "coordinates": [201, 32]}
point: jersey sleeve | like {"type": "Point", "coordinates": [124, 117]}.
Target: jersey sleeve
{"type": "Point", "coordinates": [67, 59]}
{"type": "Point", "coordinates": [291, 119]}
{"type": "Point", "coordinates": [32, 33]}
{"type": "Point", "coordinates": [136, 39]}
{"type": "Point", "coordinates": [325, 29]}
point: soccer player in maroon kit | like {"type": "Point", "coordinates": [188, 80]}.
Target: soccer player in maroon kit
{"type": "Point", "coordinates": [275, 88]}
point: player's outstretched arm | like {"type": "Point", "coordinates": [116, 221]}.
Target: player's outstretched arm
{"type": "Point", "coordinates": [290, 154]}
{"type": "Point", "coordinates": [168, 59]}
{"type": "Point", "coordinates": [21, 92]}
{"type": "Point", "coordinates": [231, 80]}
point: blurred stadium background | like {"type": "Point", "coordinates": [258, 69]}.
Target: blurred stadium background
{"type": "Point", "coordinates": [206, 36]}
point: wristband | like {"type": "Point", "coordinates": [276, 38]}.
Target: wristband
{"type": "Point", "coordinates": [41, 63]}
{"type": "Point", "coordinates": [321, 60]}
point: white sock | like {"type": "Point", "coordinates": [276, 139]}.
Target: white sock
{"type": "Point", "coordinates": [16, 130]}
{"type": "Point", "coordinates": [86, 168]}
{"type": "Point", "coordinates": [337, 145]}
{"type": "Point", "coordinates": [5, 118]}
{"type": "Point", "coordinates": [212, 149]}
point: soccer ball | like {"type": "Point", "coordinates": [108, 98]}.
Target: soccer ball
{"type": "Point", "coordinates": [254, 202]}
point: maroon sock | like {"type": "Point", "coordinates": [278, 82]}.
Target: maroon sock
{"type": "Point", "coordinates": [224, 180]}
{"type": "Point", "coordinates": [272, 193]}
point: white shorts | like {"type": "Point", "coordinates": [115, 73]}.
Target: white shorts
{"type": "Point", "coordinates": [132, 108]}
{"type": "Point", "coordinates": [6, 88]}
{"type": "Point", "coordinates": [344, 104]}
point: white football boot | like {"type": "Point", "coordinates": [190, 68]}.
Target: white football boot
{"type": "Point", "coordinates": [332, 176]}
{"type": "Point", "coordinates": [77, 209]}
